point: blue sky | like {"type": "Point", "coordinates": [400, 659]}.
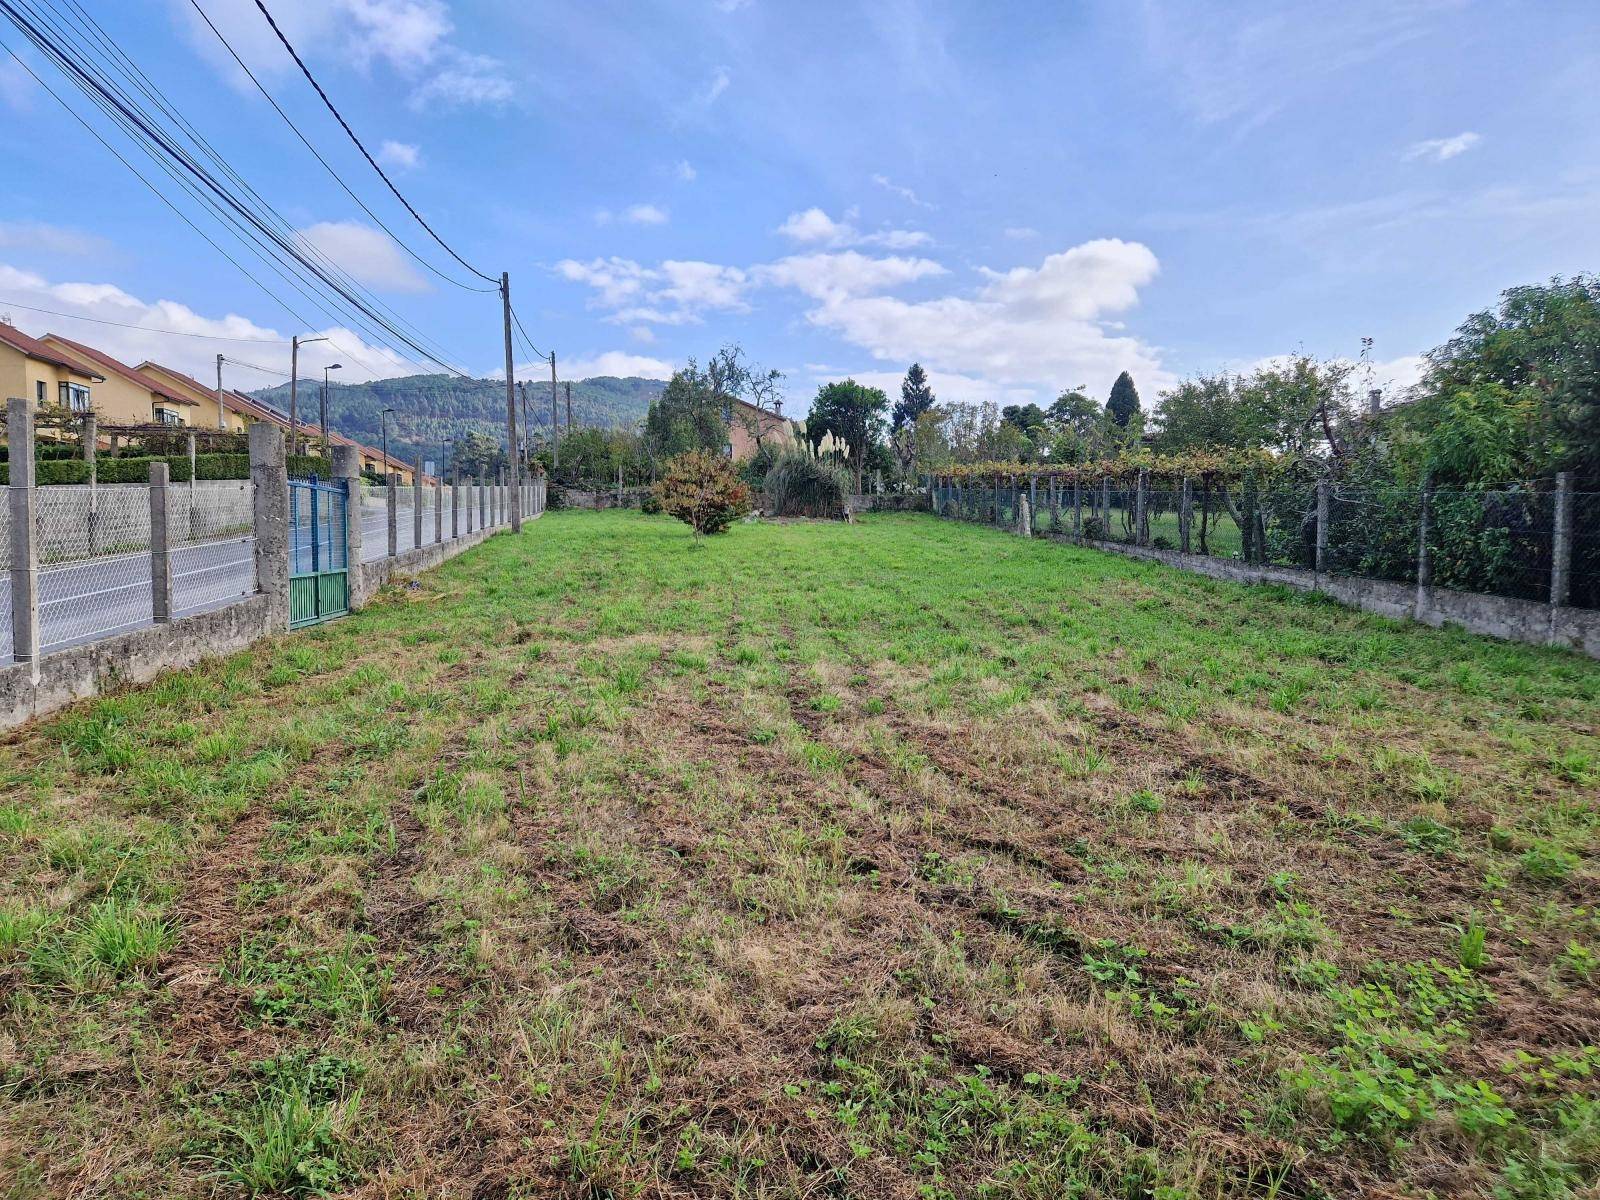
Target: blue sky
{"type": "Point", "coordinates": [1024, 197]}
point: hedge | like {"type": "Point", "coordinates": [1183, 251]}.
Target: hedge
{"type": "Point", "coordinates": [136, 468]}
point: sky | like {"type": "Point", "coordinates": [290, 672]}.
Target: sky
{"type": "Point", "coordinates": [1024, 197]}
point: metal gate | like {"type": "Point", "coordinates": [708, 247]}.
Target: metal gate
{"type": "Point", "coordinates": [319, 585]}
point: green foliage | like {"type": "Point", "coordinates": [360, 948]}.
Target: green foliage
{"type": "Point", "coordinates": [287, 1144]}
{"type": "Point", "coordinates": [1123, 403]}
{"type": "Point", "coordinates": [703, 491]}
{"type": "Point", "coordinates": [1546, 862]}
{"type": "Point", "coordinates": [800, 485]}
{"type": "Point", "coordinates": [851, 412]}
{"type": "Point", "coordinates": [916, 398]}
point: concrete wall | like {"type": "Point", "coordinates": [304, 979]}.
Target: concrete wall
{"type": "Point", "coordinates": [580, 498]}
{"type": "Point", "coordinates": [367, 578]}
{"type": "Point", "coordinates": [136, 657]}
{"type": "Point", "coordinates": [1497, 616]}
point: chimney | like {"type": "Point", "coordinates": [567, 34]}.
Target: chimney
{"type": "Point", "coordinates": [1374, 401]}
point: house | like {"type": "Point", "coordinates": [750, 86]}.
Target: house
{"type": "Point", "coordinates": [750, 428]}
{"type": "Point", "coordinates": [127, 395]}
{"type": "Point", "coordinates": [47, 375]}
{"type": "Point", "coordinates": [204, 414]}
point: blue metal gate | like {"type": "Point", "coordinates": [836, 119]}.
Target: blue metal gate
{"type": "Point", "coordinates": [319, 584]}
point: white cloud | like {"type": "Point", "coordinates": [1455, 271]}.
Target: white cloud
{"type": "Point", "coordinates": [1021, 233]}
{"type": "Point", "coordinates": [410, 37]}
{"type": "Point", "coordinates": [399, 154]}
{"type": "Point", "coordinates": [51, 239]}
{"type": "Point", "coordinates": [677, 292]}
{"type": "Point", "coordinates": [729, 6]}
{"type": "Point", "coordinates": [642, 334]}
{"type": "Point", "coordinates": [17, 87]}
{"type": "Point", "coordinates": [368, 255]}
{"type": "Point", "coordinates": [1441, 149]}
{"type": "Point", "coordinates": [645, 214]}
{"type": "Point", "coordinates": [684, 171]}
{"type": "Point", "coordinates": [611, 362]}
{"type": "Point", "coordinates": [829, 276]}
{"type": "Point", "coordinates": [720, 79]}
{"type": "Point", "coordinates": [815, 227]}
{"type": "Point", "coordinates": [1023, 331]}
{"type": "Point", "coordinates": [86, 304]}
{"type": "Point", "coordinates": [1027, 327]}
{"type": "Point", "coordinates": [904, 193]}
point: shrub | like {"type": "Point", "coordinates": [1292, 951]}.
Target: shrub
{"type": "Point", "coordinates": [798, 485]}
{"type": "Point", "coordinates": [1094, 528]}
{"type": "Point", "coordinates": [650, 503]}
{"type": "Point", "coordinates": [1162, 542]}
{"type": "Point", "coordinates": [702, 490]}
{"type": "Point", "coordinates": [1548, 863]}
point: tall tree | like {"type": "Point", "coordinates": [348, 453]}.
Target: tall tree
{"type": "Point", "coordinates": [916, 398]}
{"type": "Point", "coordinates": [854, 414]}
{"type": "Point", "coordinates": [1123, 403]}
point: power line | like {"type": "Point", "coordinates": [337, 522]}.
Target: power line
{"type": "Point", "coordinates": [270, 231]}
{"type": "Point", "coordinates": [337, 178]}
{"type": "Point", "coordinates": [345, 125]}
{"type": "Point", "coordinates": [280, 229]}
{"type": "Point", "coordinates": [215, 337]}
{"type": "Point", "coordinates": [239, 362]}
{"type": "Point", "coordinates": [526, 340]}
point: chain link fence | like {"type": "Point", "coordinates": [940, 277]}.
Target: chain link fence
{"type": "Point", "coordinates": [212, 543]}
{"type": "Point", "coordinates": [1503, 541]}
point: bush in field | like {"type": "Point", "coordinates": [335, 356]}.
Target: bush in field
{"type": "Point", "coordinates": [650, 503]}
{"type": "Point", "coordinates": [798, 485]}
{"type": "Point", "coordinates": [703, 491]}
{"type": "Point", "coordinates": [1096, 530]}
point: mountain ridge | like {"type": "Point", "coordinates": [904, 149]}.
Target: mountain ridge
{"type": "Point", "coordinates": [430, 408]}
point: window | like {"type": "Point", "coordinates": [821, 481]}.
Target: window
{"type": "Point", "coordinates": [75, 397]}
{"type": "Point", "coordinates": [168, 416]}
{"type": "Point", "coordinates": [38, 390]}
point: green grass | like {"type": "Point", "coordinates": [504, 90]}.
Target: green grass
{"type": "Point", "coordinates": [897, 858]}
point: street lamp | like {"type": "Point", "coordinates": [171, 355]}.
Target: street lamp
{"type": "Point", "coordinates": [325, 370]}
{"type": "Point", "coordinates": [383, 423]}
{"type": "Point", "coordinates": [294, 386]}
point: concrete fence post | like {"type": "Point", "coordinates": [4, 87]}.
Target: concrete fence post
{"type": "Point", "coordinates": [24, 540]}
{"type": "Point", "coordinates": [483, 502]}
{"type": "Point", "coordinates": [347, 467]}
{"type": "Point", "coordinates": [89, 438]}
{"type": "Point", "coordinates": [269, 478]}
{"type": "Point", "coordinates": [455, 502]}
{"type": "Point", "coordinates": [160, 546]}
{"type": "Point", "coordinates": [391, 499]}
{"type": "Point", "coordinates": [1320, 563]}
{"type": "Point", "coordinates": [438, 510]}
{"type": "Point", "coordinates": [1024, 517]}
{"type": "Point", "coordinates": [1424, 554]}
{"type": "Point", "coordinates": [416, 505]}
{"type": "Point", "coordinates": [1561, 542]}
{"type": "Point", "coordinates": [1141, 501]}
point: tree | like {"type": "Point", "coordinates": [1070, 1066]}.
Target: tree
{"type": "Point", "coordinates": [916, 398]}
{"type": "Point", "coordinates": [703, 491]}
{"type": "Point", "coordinates": [854, 414]}
{"type": "Point", "coordinates": [475, 453]}
{"type": "Point", "coordinates": [1123, 403]}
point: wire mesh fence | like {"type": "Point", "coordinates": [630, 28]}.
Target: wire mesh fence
{"type": "Point", "coordinates": [93, 547]}
{"type": "Point", "coordinates": [212, 543]}
{"type": "Point", "coordinates": [1503, 541]}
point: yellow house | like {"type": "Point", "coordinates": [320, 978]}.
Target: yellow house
{"type": "Point", "coordinates": [44, 374]}
{"type": "Point", "coordinates": [128, 396]}
{"type": "Point", "coordinates": [204, 413]}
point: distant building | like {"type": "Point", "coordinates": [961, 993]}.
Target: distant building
{"type": "Point", "coordinates": [127, 395]}
{"type": "Point", "coordinates": [750, 428]}
{"type": "Point", "coordinates": [47, 375]}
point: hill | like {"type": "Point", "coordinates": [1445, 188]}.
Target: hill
{"type": "Point", "coordinates": [430, 408]}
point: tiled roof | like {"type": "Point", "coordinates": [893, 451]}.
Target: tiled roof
{"type": "Point", "coordinates": [132, 374]}
{"type": "Point", "coordinates": [34, 348]}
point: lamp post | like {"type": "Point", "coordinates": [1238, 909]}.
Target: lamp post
{"type": "Point", "coordinates": [325, 370]}
{"type": "Point", "coordinates": [294, 386]}
{"type": "Point", "coordinates": [383, 423]}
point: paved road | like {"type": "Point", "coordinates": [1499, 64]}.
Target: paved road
{"type": "Point", "coordinates": [82, 601]}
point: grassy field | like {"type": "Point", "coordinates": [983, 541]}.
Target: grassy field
{"type": "Point", "coordinates": [903, 859]}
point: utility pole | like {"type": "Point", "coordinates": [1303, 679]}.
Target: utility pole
{"type": "Point", "coordinates": [294, 389]}
{"type": "Point", "coordinates": [222, 413]}
{"type": "Point", "coordinates": [511, 409]}
{"type": "Point", "coordinates": [527, 430]}
{"type": "Point", "coordinates": [555, 418]}
{"type": "Point", "coordinates": [568, 385]}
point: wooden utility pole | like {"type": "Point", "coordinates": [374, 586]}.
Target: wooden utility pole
{"type": "Point", "coordinates": [555, 417]}
{"type": "Point", "coordinates": [568, 386]}
{"type": "Point", "coordinates": [511, 411]}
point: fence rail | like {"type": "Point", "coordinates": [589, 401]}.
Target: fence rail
{"type": "Point", "coordinates": [102, 559]}
{"type": "Point", "coordinates": [1536, 540]}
